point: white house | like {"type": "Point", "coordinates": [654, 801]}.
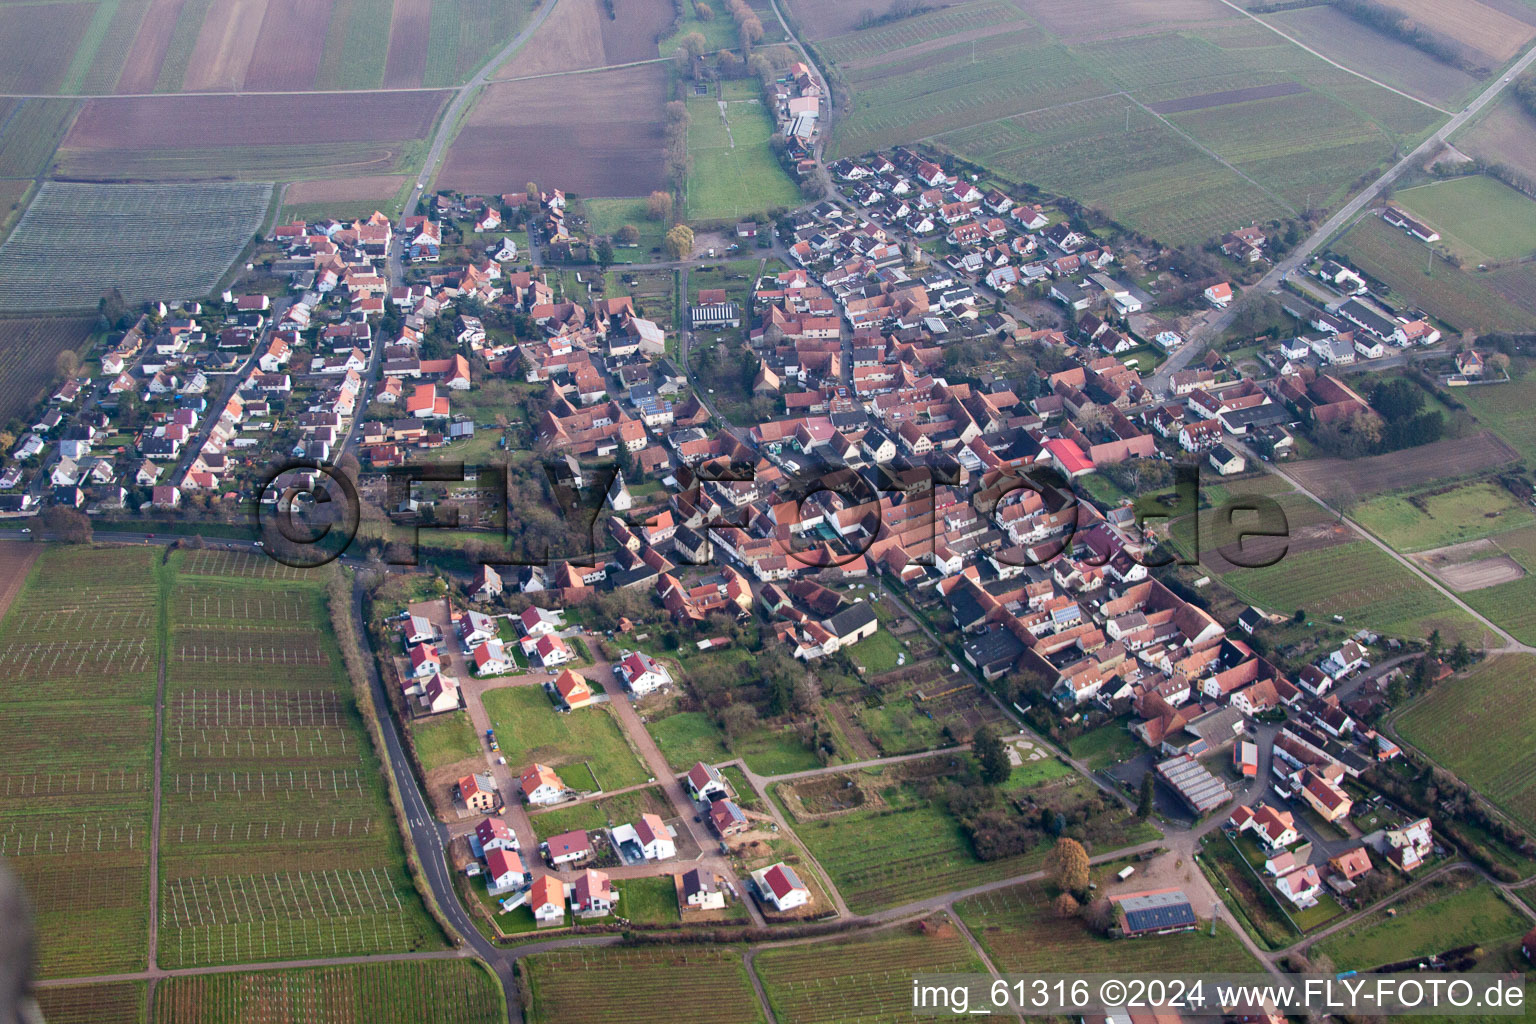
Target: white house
{"type": "Point", "coordinates": [655, 841]}
{"type": "Point", "coordinates": [475, 628]}
{"type": "Point", "coordinates": [440, 693]}
{"type": "Point", "coordinates": [642, 673]}
{"type": "Point", "coordinates": [541, 785]}
{"type": "Point", "coordinates": [491, 659]}
{"type": "Point", "coordinates": [504, 870]}
{"type": "Point", "coordinates": [541, 621]}
{"type": "Point", "coordinates": [493, 834]}
{"type": "Point", "coordinates": [1300, 886]}
{"type": "Point", "coordinates": [704, 782]}
{"type": "Point", "coordinates": [547, 901]}
{"type": "Point", "coordinates": [781, 887]}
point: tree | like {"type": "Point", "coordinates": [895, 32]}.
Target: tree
{"type": "Point", "coordinates": [1432, 645]}
{"type": "Point", "coordinates": [738, 719]}
{"type": "Point", "coordinates": [67, 525]}
{"type": "Point", "coordinates": [68, 363]}
{"type": "Point", "coordinates": [532, 191]}
{"type": "Point", "coordinates": [1461, 656]}
{"type": "Point", "coordinates": [1300, 616]}
{"type": "Point", "coordinates": [679, 242]}
{"type": "Point", "coordinates": [1145, 804]}
{"type": "Point", "coordinates": [1067, 865]}
{"type": "Point", "coordinates": [658, 206]}
{"type": "Point", "coordinates": [693, 45]}
{"type": "Point", "coordinates": [703, 11]}
{"type": "Point", "coordinates": [603, 250]}
{"type": "Point", "coordinates": [1065, 905]}
{"type": "Point", "coordinates": [629, 235]}
{"type": "Point", "coordinates": [991, 755]}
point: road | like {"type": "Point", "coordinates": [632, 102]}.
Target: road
{"type": "Point", "coordinates": [1297, 258]}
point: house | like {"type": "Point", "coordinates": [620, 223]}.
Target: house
{"type": "Point", "coordinates": [700, 892]}
{"type": "Point", "coordinates": [852, 624]}
{"type": "Point", "coordinates": [547, 901]}
{"type": "Point", "coordinates": [573, 690]}
{"type": "Point", "coordinates": [1528, 945]}
{"type": "Point", "coordinates": [655, 841]}
{"type": "Point", "coordinates": [641, 673]}
{"type": "Point", "coordinates": [568, 848]}
{"type": "Point", "coordinates": [491, 659]}
{"type": "Point", "coordinates": [1300, 886]}
{"type": "Point", "coordinates": [1343, 661]}
{"type": "Point", "coordinates": [704, 782]}
{"type": "Point", "coordinates": [538, 621]}
{"type": "Point", "coordinates": [486, 583]}
{"type": "Point", "coordinates": [1219, 295]}
{"type": "Point", "coordinates": [493, 834]}
{"type": "Point", "coordinates": [1351, 864]}
{"type": "Point", "coordinates": [1226, 462]}
{"type": "Point", "coordinates": [1275, 829]}
{"type": "Point", "coordinates": [1250, 620]}
{"type": "Point", "coordinates": [476, 628]}
{"type": "Point", "coordinates": [478, 792]}
{"type": "Point", "coordinates": [439, 693]}
{"type": "Point", "coordinates": [1469, 364]}
{"type": "Point", "coordinates": [549, 651]}
{"type": "Point", "coordinates": [781, 887]}
{"type": "Point", "coordinates": [504, 870]}
{"type": "Point", "coordinates": [727, 819]}
{"type": "Point", "coordinates": [1154, 912]}
{"type": "Point", "coordinates": [592, 894]}
{"type": "Point", "coordinates": [1409, 846]}
{"type": "Point", "coordinates": [1327, 797]}
{"type": "Point", "coordinates": [541, 785]}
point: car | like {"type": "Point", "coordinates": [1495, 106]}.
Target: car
{"type": "Point", "coordinates": [26, 529]}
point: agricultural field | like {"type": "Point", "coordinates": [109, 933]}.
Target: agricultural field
{"type": "Point", "coordinates": [1443, 516]}
{"type": "Point", "coordinates": [1464, 301]}
{"type": "Point", "coordinates": [1479, 726]}
{"type": "Point", "coordinates": [580, 34]}
{"type": "Point", "coordinates": [360, 195]}
{"type": "Point", "coordinates": [734, 172]}
{"type": "Point", "coordinates": [1151, 113]}
{"type": "Point", "coordinates": [250, 137]}
{"type": "Point", "coordinates": [121, 1002]}
{"type": "Point", "coordinates": [530, 729]}
{"type": "Point", "coordinates": [1413, 468]}
{"type": "Point", "coordinates": [29, 354]}
{"type": "Point", "coordinates": [76, 240]}
{"type": "Point", "coordinates": [599, 138]}
{"type": "Point", "coordinates": [1489, 33]}
{"type": "Point", "coordinates": [1503, 133]}
{"type": "Point", "coordinates": [1481, 218]}
{"type": "Point", "coordinates": [1503, 581]}
{"type": "Point", "coordinates": [884, 843]}
{"type": "Point", "coordinates": [1022, 934]}
{"type": "Point", "coordinates": [30, 130]}
{"type": "Point", "coordinates": [642, 985]}
{"type": "Point", "coordinates": [423, 992]}
{"type": "Point", "coordinates": [1454, 911]}
{"type": "Point", "coordinates": [277, 841]}
{"type": "Point", "coordinates": [867, 979]}
{"type": "Point", "coordinates": [84, 629]}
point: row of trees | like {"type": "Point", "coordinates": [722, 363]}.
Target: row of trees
{"type": "Point", "coordinates": [1391, 21]}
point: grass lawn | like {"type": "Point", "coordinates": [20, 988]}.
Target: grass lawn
{"type": "Point", "coordinates": [1481, 216]}
{"type": "Point", "coordinates": [530, 729]}
{"type": "Point", "coordinates": [877, 653]}
{"type": "Point", "coordinates": [1418, 522]}
{"type": "Point", "coordinates": [445, 740]}
{"type": "Point", "coordinates": [734, 172]}
{"type": "Point", "coordinates": [687, 737]}
{"type": "Point", "coordinates": [746, 796]}
{"type": "Point", "coordinates": [1104, 746]}
{"type": "Point", "coordinates": [596, 814]}
{"type": "Point", "coordinates": [1246, 898]}
{"type": "Point", "coordinates": [774, 751]}
{"type": "Point", "coordinates": [1506, 408]}
{"type": "Point", "coordinates": [1443, 915]}
{"type": "Point", "coordinates": [897, 727]}
{"type": "Point", "coordinates": [607, 216]}
{"type": "Point", "coordinates": [647, 900]}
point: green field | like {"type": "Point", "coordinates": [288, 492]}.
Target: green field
{"type": "Point", "coordinates": [431, 992]}
{"type": "Point", "coordinates": [688, 737]}
{"type": "Point", "coordinates": [277, 839]}
{"type": "Point", "coordinates": [1512, 605]}
{"type": "Point", "coordinates": [1506, 408]}
{"type": "Point", "coordinates": [1481, 217]}
{"type": "Point", "coordinates": [85, 631]}
{"type": "Point", "coordinates": [867, 979]}
{"type": "Point", "coordinates": [734, 172]}
{"type": "Point", "coordinates": [607, 216]}
{"type": "Point", "coordinates": [1418, 522]}
{"type": "Point", "coordinates": [1450, 912]}
{"type": "Point", "coordinates": [595, 814]}
{"type": "Point", "coordinates": [30, 132]}
{"type": "Point", "coordinates": [1104, 746]}
{"type": "Point", "coordinates": [445, 739]}
{"type": "Point", "coordinates": [530, 729]}
{"type": "Point", "coordinates": [685, 984]}
{"type": "Point", "coordinates": [1479, 725]}
{"type": "Point", "coordinates": [1021, 932]}
{"type": "Point", "coordinates": [1462, 300]}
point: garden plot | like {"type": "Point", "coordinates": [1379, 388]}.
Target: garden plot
{"type": "Point", "coordinates": [77, 240]}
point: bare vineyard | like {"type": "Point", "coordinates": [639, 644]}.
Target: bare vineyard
{"type": "Point", "coordinates": [241, 565]}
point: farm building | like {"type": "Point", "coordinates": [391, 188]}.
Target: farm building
{"type": "Point", "coordinates": [1200, 791]}
{"type": "Point", "coordinates": [715, 316]}
{"type": "Point", "coordinates": [1155, 912]}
